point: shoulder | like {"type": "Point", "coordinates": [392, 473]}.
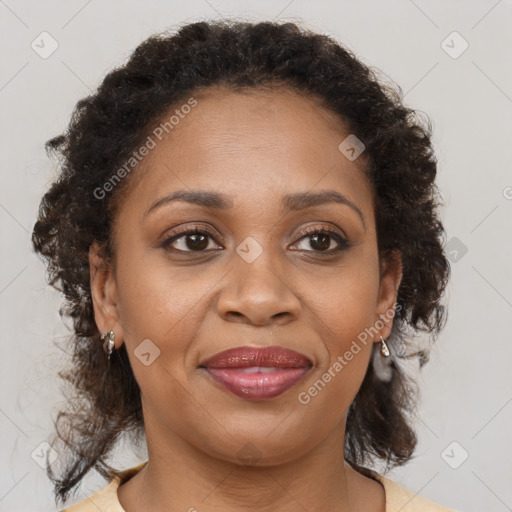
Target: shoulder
{"type": "Point", "coordinates": [106, 499]}
{"type": "Point", "coordinates": [400, 499]}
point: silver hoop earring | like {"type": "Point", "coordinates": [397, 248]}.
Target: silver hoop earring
{"type": "Point", "coordinates": [108, 343]}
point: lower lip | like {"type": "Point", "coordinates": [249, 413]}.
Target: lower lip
{"type": "Point", "coordinates": [257, 385]}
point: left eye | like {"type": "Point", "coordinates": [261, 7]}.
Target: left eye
{"type": "Point", "coordinates": [320, 240]}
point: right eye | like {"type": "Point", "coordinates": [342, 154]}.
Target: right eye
{"type": "Point", "coordinates": [191, 240]}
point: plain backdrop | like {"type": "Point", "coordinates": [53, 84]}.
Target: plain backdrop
{"type": "Point", "coordinates": [461, 80]}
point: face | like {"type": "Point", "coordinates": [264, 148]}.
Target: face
{"type": "Point", "coordinates": [260, 271]}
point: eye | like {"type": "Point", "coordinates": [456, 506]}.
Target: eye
{"type": "Point", "coordinates": [320, 240]}
{"type": "Point", "coordinates": [194, 239]}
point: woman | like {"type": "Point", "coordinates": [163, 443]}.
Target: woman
{"type": "Point", "coordinates": [245, 231]}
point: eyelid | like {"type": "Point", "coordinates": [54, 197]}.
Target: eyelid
{"type": "Point", "coordinates": [189, 229]}
{"type": "Point", "coordinates": [327, 228]}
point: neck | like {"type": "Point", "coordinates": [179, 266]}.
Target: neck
{"type": "Point", "coordinates": [179, 476]}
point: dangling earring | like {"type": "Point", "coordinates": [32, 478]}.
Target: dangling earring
{"type": "Point", "coordinates": [384, 349]}
{"type": "Point", "coordinates": [108, 343]}
{"type": "Point", "coordinates": [382, 361]}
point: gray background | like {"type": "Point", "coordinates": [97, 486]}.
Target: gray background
{"type": "Point", "coordinates": [466, 388]}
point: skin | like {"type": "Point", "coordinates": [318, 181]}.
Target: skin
{"type": "Point", "coordinates": [256, 147]}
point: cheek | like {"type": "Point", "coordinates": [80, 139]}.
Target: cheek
{"type": "Point", "coordinates": [343, 310]}
{"type": "Point", "coordinates": [346, 303]}
{"type": "Point", "coordinates": [344, 325]}
{"type": "Point", "coordinates": [156, 302]}
{"type": "Point", "coordinates": [342, 315]}
{"type": "Point", "coordinates": [154, 295]}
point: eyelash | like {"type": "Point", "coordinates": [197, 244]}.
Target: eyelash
{"type": "Point", "coordinates": [342, 243]}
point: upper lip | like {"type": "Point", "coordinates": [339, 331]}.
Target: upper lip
{"type": "Point", "coordinates": [246, 357]}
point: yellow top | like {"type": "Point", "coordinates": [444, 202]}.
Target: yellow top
{"type": "Point", "coordinates": [398, 499]}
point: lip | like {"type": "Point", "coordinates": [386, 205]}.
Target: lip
{"type": "Point", "coordinates": [246, 357]}
{"type": "Point", "coordinates": [229, 370]}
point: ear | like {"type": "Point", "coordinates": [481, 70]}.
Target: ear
{"type": "Point", "coordinates": [391, 276]}
{"type": "Point", "coordinates": [104, 293]}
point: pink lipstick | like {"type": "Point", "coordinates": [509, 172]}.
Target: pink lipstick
{"type": "Point", "coordinates": [257, 373]}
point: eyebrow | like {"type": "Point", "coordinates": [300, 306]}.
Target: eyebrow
{"type": "Point", "coordinates": [289, 202]}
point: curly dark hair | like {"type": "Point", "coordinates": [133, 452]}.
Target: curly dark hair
{"type": "Point", "coordinates": [107, 126]}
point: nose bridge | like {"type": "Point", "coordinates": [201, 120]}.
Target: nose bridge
{"type": "Point", "coordinates": [257, 289]}
{"type": "Point", "coordinates": [257, 266]}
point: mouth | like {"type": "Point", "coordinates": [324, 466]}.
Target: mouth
{"type": "Point", "coordinates": [257, 373]}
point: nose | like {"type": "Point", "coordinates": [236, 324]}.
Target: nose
{"type": "Point", "coordinates": [258, 293]}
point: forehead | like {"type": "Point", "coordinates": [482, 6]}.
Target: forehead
{"type": "Point", "coordinates": [253, 145]}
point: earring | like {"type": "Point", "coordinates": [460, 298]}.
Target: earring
{"type": "Point", "coordinates": [383, 361]}
{"type": "Point", "coordinates": [108, 342]}
{"type": "Point", "coordinates": [384, 349]}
